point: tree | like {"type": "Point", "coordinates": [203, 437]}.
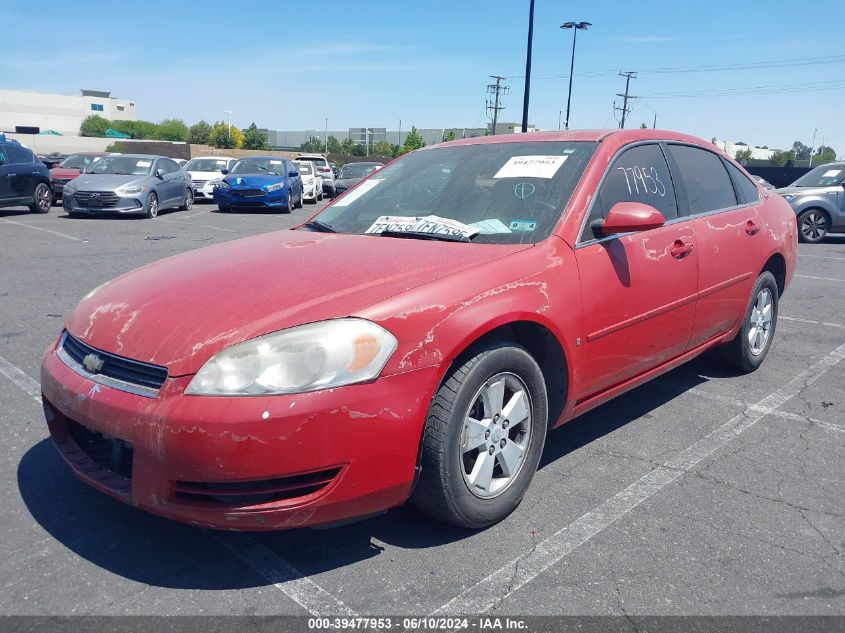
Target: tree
{"type": "Point", "coordinates": [643, 126]}
{"type": "Point", "coordinates": [254, 138]}
{"type": "Point", "coordinates": [172, 130]}
{"type": "Point", "coordinates": [199, 132]}
{"type": "Point", "coordinates": [742, 156]}
{"type": "Point", "coordinates": [224, 137]}
{"type": "Point", "coordinates": [94, 125]}
{"type": "Point", "coordinates": [779, 158]}
{"type": "Point", "coordinates": [136, 129]}
{"type": "Point", "coordinates": [382, 148]}
{"type": "Point", "coordinates": [449, 136]}
{"type": "Point", "coordinates": [334, 145]}
{"type": "Point", "coordinates": [800, 151]}
{"type": "Point", "coordinates": [824, 154]}
{"type": "Point", "coordinates": [347, 146]}
{"type": "Point", "coordinates": [312, 145]}
{"type": "Point", "coordinates": [414, 140]}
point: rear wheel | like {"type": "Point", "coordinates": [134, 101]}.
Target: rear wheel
{"type": "Point", "coordinates": [152, 206]}
{"type": "Point", "coordinates": [812, 226]}
{"type": "Point", "coordinates": [751, 345]}
{"type": "Point", "coordinates": [42, 199]}
{"type": "Point", "coordinates": [189, 200]}
{"type": "Point", "coordinates": [483, 437]}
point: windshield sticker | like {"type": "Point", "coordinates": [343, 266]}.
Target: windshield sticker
{"type": "Point", "coordinates": [531, 167]}
{"type": "Point", "coordinates": [831, 173]}
{"type": "Point", "coordinates": [428, 224]}
{"type": "Point", "coordinates": [358, 191]}
{"type": "Point", "coordinates": [220, 162]}
{"type": "Point", "coordinates": [143, 163]}
{"type": "Point", "coordinates": [491, 227]}
{"type": "Point", "coordinates": [275, 162]}
{"type": "Point", "coordinates": [523, 190]}
{"type": "Point", "coordinates": [522, 225]}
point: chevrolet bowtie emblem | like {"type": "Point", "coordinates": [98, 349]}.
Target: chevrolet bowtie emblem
{"type": "Point", "coordinates": [93, 363]}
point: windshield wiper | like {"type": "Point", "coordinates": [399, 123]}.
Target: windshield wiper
{"type": "Point", "coordinates": [422, 235]}
{"type": "Point", "coordinates": [319, 227]}
{"type": "Point", "coordinates": [269, 171]}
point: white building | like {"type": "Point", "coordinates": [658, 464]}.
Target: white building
{"type": "Point", "coordinates": [21, 109]}
{"type": "Point", "coordinates": [757, 153]}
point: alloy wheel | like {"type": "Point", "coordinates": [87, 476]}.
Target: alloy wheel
{"type": "Point", "coordinates": [760, 322]}
{"type": "Point", "coordinates": [44, 201]}
{"type": "Point", "coordinates": [496, 435]}
{"type": "Point", "coordinates": [814, 226]}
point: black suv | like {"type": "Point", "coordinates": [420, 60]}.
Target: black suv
{"type": "Point", "coordinates": [24, 180]}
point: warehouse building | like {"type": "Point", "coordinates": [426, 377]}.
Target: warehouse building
{"type": "Point", "coordinates": [31, 112]}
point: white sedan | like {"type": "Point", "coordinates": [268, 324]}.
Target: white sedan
{"type": "Point", "coordinates": [312, 182]}
{"type": "Point", "coordinates": [204, 170]}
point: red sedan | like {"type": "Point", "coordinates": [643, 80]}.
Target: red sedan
{"type": "Point", "coordinates": [419, 336]}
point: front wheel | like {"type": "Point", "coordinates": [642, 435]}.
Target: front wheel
{"type": "Point", "coordinates": [299, 200]}
{"type": "Point", "coordinates": [152, 206]}
{"type": "Point", "coordinates": [751, 345]}
{"type": "Point", "coordinates": [42, 199]}
{"type": "Point", "coordinates": [483, 437]}
{"type": "Point", "coordinates": [189, 200]}
{"type": "Point", "coordinates": [812, 226]}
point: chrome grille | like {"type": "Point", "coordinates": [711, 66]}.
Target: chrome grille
{"type": "Point", "coordinates": [97, 199]}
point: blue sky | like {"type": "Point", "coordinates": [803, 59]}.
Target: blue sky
{"type": "Point", "coordinates": [289, 65]}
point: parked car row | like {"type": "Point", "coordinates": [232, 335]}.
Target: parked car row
{"type": "Point", "coordinates": [818, 199]}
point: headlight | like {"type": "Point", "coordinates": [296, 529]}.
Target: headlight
{"type": "Point", "coordinates": [275, 187]}
{"type": "Point", "coordinates": [790, 197]}
{"type": "Point", "coordinates": [131, 190]}
{"type": "Point", "coordinates": [305, 358]}
{"type": "Point", "coordinates": [221, 184]}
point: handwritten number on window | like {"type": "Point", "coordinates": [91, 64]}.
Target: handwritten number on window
{"type": "Point", "coordinates": [645, 177]}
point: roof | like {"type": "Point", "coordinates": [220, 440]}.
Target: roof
{"type": "Point", "coordinates": [619, 136]}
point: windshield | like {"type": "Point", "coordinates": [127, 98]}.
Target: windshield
{"type": "Point", "coordinates": [322, 162]}
{"type": "Point", "coordinates": [823, 176]}
{"type": "Point", "coordinates": [123, 165]}
{"type": "Point", "coordinates": [77, 161]}
{"type": "Point", "coordinates": [206, 164]}
{"type": "Point", "coordinates": [358, 170]}
{"type": "Point", "coordinates": [512, 192]}
{"type": "Point", "coordinates": [304, 168]}
{"type": "Point", "coordinates": [259, 166]}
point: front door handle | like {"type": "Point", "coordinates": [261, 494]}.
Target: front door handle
{"type": "Point", "coordinates": [12, 175]}
{"type": "Point", "coordinates": [681, 249]}
{"type": "Point", "coordinates": [751, 228]}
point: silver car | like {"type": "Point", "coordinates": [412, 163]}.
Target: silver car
{"type": "Point", "coordinates": [818, 198]}
{"type": "Point", "coordinates": [129, 184]}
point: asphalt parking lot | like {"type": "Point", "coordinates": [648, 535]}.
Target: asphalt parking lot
{"type": "Point", "coordinates": [704, 492]}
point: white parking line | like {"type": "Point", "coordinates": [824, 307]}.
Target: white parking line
{"type": "Point", "coordinates": [284, 576]}
{"type": "Point", "coordinates": [496, 587]}
{"type": "Point", "coordinates": [18, 377]}
{"type": "Point", "coordinates": [38, 228]}
{"type": "Point", "coordinates": [207, 226]}
{"type": "Point", "coordinates": [810, 321]}
{"type": "Point", "coordinates": [821, 278]}
{"type": "Point", "coordinates": [821, 257]}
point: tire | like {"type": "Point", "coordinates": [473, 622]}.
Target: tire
{"type": "Point", "coordinates": [751, 345]}
{"type": "Point", "coordinates": [452, 485]}
{"type": "Point", "coordinates": [223, 208]}
{"type": "Point", "coordinates": [320, 195]}
{"type": "Point", "coordinates": [813, 225]}
{"type": "Point", "coordinates": [189, 201]}
{"type": "Point", "coordinates": [42, 199]}
{"type": "Point", "coordinates": [152, 206]}
{"type": "Point", "coordinates": [73, 214]}
{"type": "Point", "coordinates": [290, 206]}
{"type": "Point", "coordinates": [298, 204]}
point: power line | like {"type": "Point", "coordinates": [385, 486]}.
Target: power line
{"type": "Point", "coordinates": [751, 90]}
{"type": "Point", "coordinates": [497, 89]}
{"type": "Point", "coordinates": [629, 75]}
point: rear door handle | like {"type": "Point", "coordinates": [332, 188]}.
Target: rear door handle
{"type": "Point", "coordinates": [751, 228]}
{"type": "Point", "coordinates": [681, 249]}
{"type": "Point", "coordinates": [12, 175]}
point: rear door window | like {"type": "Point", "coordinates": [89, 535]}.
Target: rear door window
{"type": "Point", "coordinates": [745, 189]}
{"type": "Point", "coordinates": [706, 181]}
{"type": "Point", "coordinates": [18, 155]}
{"type": "Point", "coordinates": [640, 174]}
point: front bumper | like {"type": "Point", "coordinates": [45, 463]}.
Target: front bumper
{"type": "Point", "coordinates": [200, 459]}
{"type": "Point", "coordinates": [124, 205]}
{"type": "Point", "coordinates": [203, 191]}
{"type": "Point", "coordinates": [58, 186]}
{"type": "Point", "coordinates": [241, 198]}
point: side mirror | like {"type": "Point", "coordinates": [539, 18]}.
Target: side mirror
{"type": "Point", "coordinates": [159, 173]}
{"type": "Point", "coordinates": [293, 174]}
{"type": "Point", "coordinates": [224, 171]}
{"type": "Point", "coordinates": [627, 217]}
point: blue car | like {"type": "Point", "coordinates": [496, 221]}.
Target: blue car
{"type": "Point", "coordinates": [260, 182]}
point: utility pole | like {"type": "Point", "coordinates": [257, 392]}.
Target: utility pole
{"type": "Point", "coordinates": [229, 125]}
{"type": "Point", "coordinates": [812, 145]}
{"type": "Point", "coordinates": [326, 135]}
{"type": "Point", "coordinates": [527, 69]}
{"type": "Point", "coordinates": [625, 109]}
{"type": "Point", "coordinates": [497, 89]}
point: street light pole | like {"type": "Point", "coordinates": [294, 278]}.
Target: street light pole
{"type": "Point", "coordinates": [575, 26]}
{"type": "Point", "coordinates": [812, 145]}
{"type": "Point", "coordinates": [229, 124]}
{"type": "Point", "coordinates": [326, 135]}
{"type": "Point", "coordinates": [654, 124]}
{"type": "Point", "coordinates": [527, 90]}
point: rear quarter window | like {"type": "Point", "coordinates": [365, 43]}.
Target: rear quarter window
{"type": "Point", "coordinates": [18, 155]}
{"type": "Point", "coordinates": [746, 190]}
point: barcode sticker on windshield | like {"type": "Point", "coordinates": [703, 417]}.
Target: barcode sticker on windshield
{"type": "Point", "coordinates": [359, 191]}
{"type": "Point", "coordinates": [831, 173]}
{"type": "Point", "coordinates": [531, 167]}
{"type": "Point", "coordinates": [429, 224]}
{"type": "Point", "coordinates": [275, 162]}
{"type": "Point", "coordinates": [143, 163]}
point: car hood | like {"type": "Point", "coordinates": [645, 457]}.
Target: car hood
{"type": "Point", "coordinates": [62, 173]}
{"type": "Point", "coordinates": [180, 311]}
{"type": "Point", "coordinates": [805, 190]}
{"type": "Point", "coordinates": [253, 180]}
{"type": "Point", "coordinates": [347, 182]}
{"type": "Point", "coordinates": [105, 182]}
